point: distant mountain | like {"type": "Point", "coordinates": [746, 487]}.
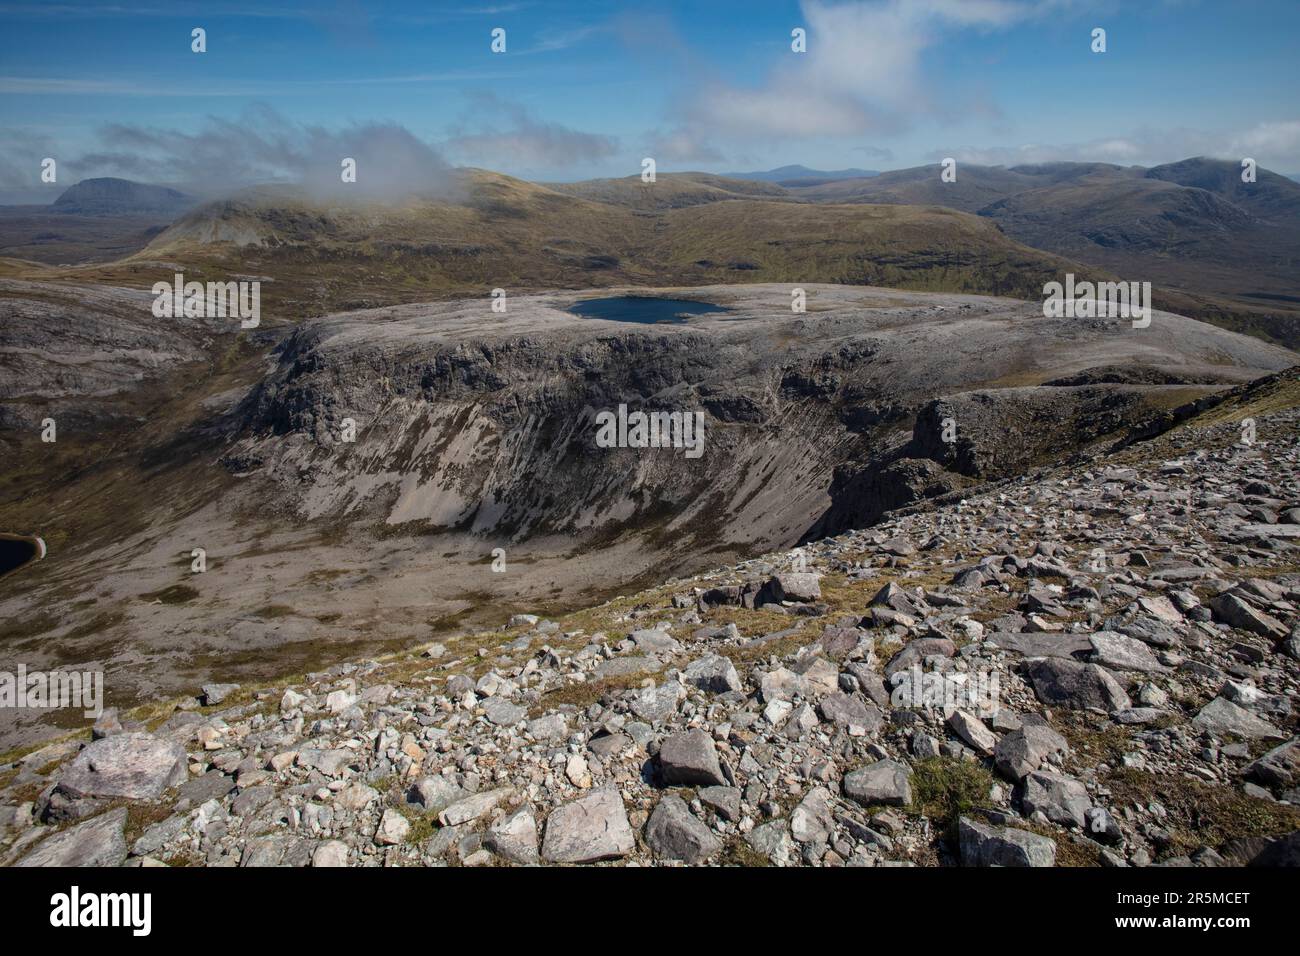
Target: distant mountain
{"type": "Point", "coordinates": [685, 229]}
{"type": "Point", "coordinates": [803, 176]}
{"type": "Point", "coordinates": [109, 196]}
{"type": "Point", "coordinates": [669, 191]}
{"type": "Point", "coordinates": [1192, 226]}
{"type": "Point", "coordinates": [94, 221]}
{"type": "Point", "coordinates": [975, 187]}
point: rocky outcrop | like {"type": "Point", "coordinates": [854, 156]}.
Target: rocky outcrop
{"type": "Point", "coordinates": [472, 419]}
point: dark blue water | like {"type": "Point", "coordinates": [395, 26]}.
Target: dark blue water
{"type": "Point", "coordinates": [14, 553]}
{"type": "Point", "coordinates": [643, 309]}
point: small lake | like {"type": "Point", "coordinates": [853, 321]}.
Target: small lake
{"type": "Point", "coordinates": [15, 552]}
{"type": "Point", "coordinates": [644, 310]}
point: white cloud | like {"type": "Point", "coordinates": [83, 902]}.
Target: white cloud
{"type": "Point", "coordinates": [499, 133]}
{"type": "Point", "coordinates": [1274, 145]}
{"type": "Point", "coordinates": [862, 72]}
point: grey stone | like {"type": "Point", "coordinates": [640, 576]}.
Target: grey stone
{"type": "Point", "coordinates": [916, 651]}
{"type": "Point", "coordinates": [214, 694]}
{"type": "Point", "coordinates": [973, 731]}
{"type": "Point", "coordinates": [659, 703]}
{"type": "Point", "coordinates": [849, 712]}
{"type": "Point", "coordinates": [1280, 767]}
{"type": "Point", "coordinates": [627, 666]}
{"type": "Point", "coordinates": [1121, 653]}
{"type": "Point", "coordinates": [95, 842]}
{"type": "Point", "coordinates": [157, 836]}
{"type": "Point", "coordinates": [674, 833]}
{"type": "Point", "coordinates": [591, 828]}
{"type": "Point", "coordinates": [983, 845]}
{"type": "Point", "coordinates": [773, 841]}
{"type": "Point", "coordinates": [812, 820]}
{"type": "Point", "coordinates": [725, 800]}
{"type": "Point", "coordinates": [800, 586]}
{"type": "Point", "coordinates": [1232, 610]}
{"type": "Point", "coordinates": [885, 781]}
{"type": "Point", "coordinates": [1040, 645]}
{"type": "Point", "coordinates": [1063, 683]}
{"type": "Point", "coordinates": [691, 757]}
{"type": "Point", "coordinates": [1061, 799]}
{"type": "Point", "coordinates": [213, 785]}
{"type": "Point", "coordinates": [713, 673]}
{"type": "Point", "coordinates": [549, 728]}
{"type": "Point", "coordinates": [474, 806]}
{"type": "Point", "coordinates": [331, 853]}
{"type": "Point", "coordinates": [393, 829]}
{"type": "Point", "coordinates": [515, 838]}
{"type": "Point", "coordinates": [133, 766]}
{"type": "Point", "coordinates": [1223, 718]}
{"type": "Point", "coordinates": [655, 642]}
{"type": "Point", "coordinates": [503, 713]}
{"type": "Point", "coordinates": [1023, 751]}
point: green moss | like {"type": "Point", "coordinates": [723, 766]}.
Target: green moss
{"type": "Point", "coordinates": [944, 788]}
{"type": "Point", "coordinates": [1201, 814]}
{"type": "Point", "coordinates": [739, 853]}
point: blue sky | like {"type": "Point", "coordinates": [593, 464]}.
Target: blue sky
{"type": "Point", "coordinates": [589, 88]}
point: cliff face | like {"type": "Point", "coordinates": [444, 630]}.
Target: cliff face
{"type": "Point", "coordinates": [474, 420]}
{"type": "Point", "coordinates": [498, 434]}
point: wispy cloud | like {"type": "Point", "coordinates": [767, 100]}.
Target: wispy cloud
{"type": "Point", "coordinates": [1275, 145]}
{"type": "Point", "coordinates": [262, 146]}
{"type": "Point", "coordinates": [167, 87]}
{"type": "Point", "coordinates": [499, 132]}
{"type": "Point", "coordinates": [863, 72]}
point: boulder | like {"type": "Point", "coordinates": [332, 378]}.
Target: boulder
{"type": "Point", "coordinates": [1064, 683]}
{"type": "Point", "coordinates": [503, 713]}
{"type": "Point", "coordinates": [691, 757]}
{"type": "Point", "coordinates": [214, 694]}
{"type": "Point", "coordinates": [474, 806]}
{"type": "Point", "coordinates": [801, 586]}
{"type": "Point", "coordinates": [515, 838]}
{"type": "Point", "coordinates": [812, 820]}
{"type": "Point", "coordinates": [1224, 718]}
{"type": "Point", "coordinates": [1061, 799]}
{"type": "Point", "coordinates": [132, 766]}
{"type": "Point", "coordinates": [674, 833]}
{"type": "Point", "coordinates": [885, 781]}
{"type": "Point", "coordinates": [591, 828]}
{"type": "Point", "coordinates": [915, 652]}
{"type": "Point", "coordinates": [1022, 751]}
{"type": "Point", "coordinates": [1232, 610]}
{"type": "Point", "coordinates": [96, 842]}
{"type": "Point", "coordinates": [973, 732]}
{"type": "Point", "coordinates": [1122, 653]}
{"type": "Point", "coordinates": [713, 673]}
{"type": "Point", "coordinates": [983, 845]}
{"type": "Point", "coordinates": [849, 712]}
{"type": "Point", "coordinates": [1280, 767]}
{"type": "Point", "coordinates": [772, 840]}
